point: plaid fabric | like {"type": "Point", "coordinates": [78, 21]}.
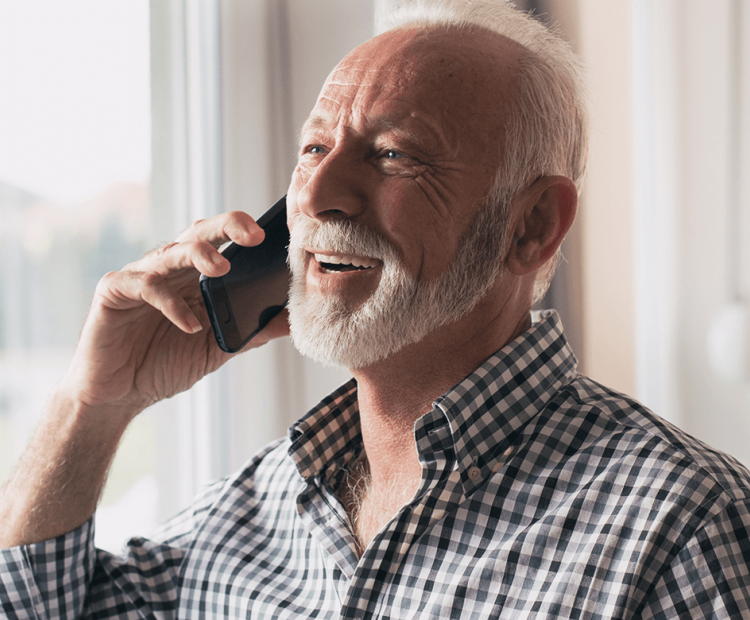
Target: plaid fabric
{"type": "Point", "coordinates": [544, 495]}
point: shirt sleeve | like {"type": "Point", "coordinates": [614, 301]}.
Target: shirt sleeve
{"type": "Point", "coordinates": [710, 577]}
{"type": "Point", "coordinates": [67, 577]}
{"type": "Point", "coordinates": [48, 579]}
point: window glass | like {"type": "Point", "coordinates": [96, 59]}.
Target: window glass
{"type": "Point", "coordinates": [75, 166]}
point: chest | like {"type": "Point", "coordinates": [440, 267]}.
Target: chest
{"type": "Point", "coordinates": [444, 556]}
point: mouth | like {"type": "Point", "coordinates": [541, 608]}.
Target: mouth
{"type": "Point", "coordinates": [342, 263]}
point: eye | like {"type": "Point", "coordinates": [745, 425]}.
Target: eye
{"type": "Point", "coordinates": [391, 161]}
{"type": "Point", "coordinates": [315, 149]}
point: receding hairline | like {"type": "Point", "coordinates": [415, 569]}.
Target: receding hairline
{"type": "Point", "coordinates": [492, 73]}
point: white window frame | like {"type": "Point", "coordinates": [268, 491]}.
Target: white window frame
{"type": "Point", "coordinates": [232, 82]}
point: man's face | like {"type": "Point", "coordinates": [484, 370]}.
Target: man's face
{"type": "Point", "coordinates": [403, 145]}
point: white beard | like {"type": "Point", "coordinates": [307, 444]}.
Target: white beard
{"type": "Point", "coordinates": [403, 309]}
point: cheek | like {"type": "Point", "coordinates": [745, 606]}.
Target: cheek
{"type": "Point", "coordinates": [414, 205]}
{"type": "Point", "coordinates": [423, 230]}
{"type": "Point", "coordinates": [438, 193]}
{"type": "Point", "coordinates": [400, 214]}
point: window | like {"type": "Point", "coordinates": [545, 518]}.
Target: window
{"type": "Point", "coordinates": [75, 166]}
{"type": "Point", "coordinates": [90, 93]}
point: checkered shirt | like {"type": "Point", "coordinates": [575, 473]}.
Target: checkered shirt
{"type": "Point", "coordinates": [543, 495]}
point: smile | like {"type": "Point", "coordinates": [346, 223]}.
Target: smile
{"type": "Point", "coordinates": [336, 263]}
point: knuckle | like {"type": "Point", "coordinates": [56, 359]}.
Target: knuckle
{"type": "Point", "coordinates": [107, 280]}
{"type": "Point", "coordinates": [151, 280]}
{"type": "Point", "coordinates": [241, 225]}
{"type": "Point", "coordinates": [109, 276]}
{"type": "Point", "coordinates": [200, 247]}
{"type": "Point", "coordinates": [195, 246]}
{"type": "Point", "coordinates": [237, 219]}
{"type": "Point", "coordinates": [164, 249]}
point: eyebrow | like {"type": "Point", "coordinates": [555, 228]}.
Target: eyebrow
{"type": "Point", "coordinates": [421, 139]}
{"type": "Point", "coordinates": [313, 122]}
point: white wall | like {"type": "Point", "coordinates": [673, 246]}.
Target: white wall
{"type": "Point", "coordinates": [714, 174]}
{"type": "Point", "coordinates": [606, 206]}
{"type": "Point", "coordinates": [666, 200]}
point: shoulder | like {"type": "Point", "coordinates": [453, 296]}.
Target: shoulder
{"type": "Point", "coordinates": [657, 440]}
{"type": "Point", "coordinates": [636, 454]}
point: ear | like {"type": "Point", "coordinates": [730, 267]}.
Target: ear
{"type": "Point", "coordinates": [542, 216]}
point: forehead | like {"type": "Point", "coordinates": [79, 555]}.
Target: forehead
{"type": "Point", "coordinates": [440, 77]}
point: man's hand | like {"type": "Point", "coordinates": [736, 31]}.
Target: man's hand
{"type": "Point", "coordinates": [147, 337]}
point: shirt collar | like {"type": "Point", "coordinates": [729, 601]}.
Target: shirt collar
{"type": "Point", "coordinates": [328, 433]}
{"type": "Point", "coordinates": [488, 409]}
{"type": "Point", "coordinates": [482, 414]}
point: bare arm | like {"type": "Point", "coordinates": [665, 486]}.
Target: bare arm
{"type": "Point", "coordinates": [146, 338]}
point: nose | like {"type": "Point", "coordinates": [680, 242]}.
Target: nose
{"type": "Point", "coordinates": [333, 187]}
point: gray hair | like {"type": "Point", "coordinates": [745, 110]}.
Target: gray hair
{"type": "Point", "coordinates": [546, 130]}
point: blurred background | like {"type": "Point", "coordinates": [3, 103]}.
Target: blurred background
{"type": "Point", "coordinates": [123, 121]}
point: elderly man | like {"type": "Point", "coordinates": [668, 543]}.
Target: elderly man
{"type": "Point", "coordinates": [466, 471]}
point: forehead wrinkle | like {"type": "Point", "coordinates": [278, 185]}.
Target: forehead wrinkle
{"type": "Point", "coordinates": [314, 121]}
{"type": "Point", "coordinates": [356, 88]}
{"type": "Point", "coordinates": [369, 81]}
{"type": "Point", "coordinates": [433, 141]}
{"type": "Point", "coordinates": [367, 66]}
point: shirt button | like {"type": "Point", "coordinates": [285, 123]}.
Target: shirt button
{"type": "Point", "coordinates": [474, 473]}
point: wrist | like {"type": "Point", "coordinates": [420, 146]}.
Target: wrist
{"type": "Point", "coordinates": [70, 420]}
{"type": "Point", "coordinates": [59, 479]}
{"type": "Point", "coordinates": [70, 399]}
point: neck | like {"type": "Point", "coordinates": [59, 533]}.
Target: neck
{"type": "Point", "coordinates": [394, 393]}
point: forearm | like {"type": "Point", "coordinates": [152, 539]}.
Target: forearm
{"type": "Point", "coordinates": [58, 482]}
{"type": "Point", "coordinates": [145, 339]}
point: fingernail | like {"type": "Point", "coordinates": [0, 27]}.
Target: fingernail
{"type": "Point", "coordinates": [194, 324]}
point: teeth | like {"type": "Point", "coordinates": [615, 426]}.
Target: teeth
{"type": "Point", "coordinates": [344, 259]}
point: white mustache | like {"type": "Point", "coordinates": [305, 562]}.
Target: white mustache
{"type": "Point", "coordinates": [341, 236]}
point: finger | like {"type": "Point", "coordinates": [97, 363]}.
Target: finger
{"type": "Point", "coordinates": [277, 327]}
{"type": "Point", "coordinates": [122, 290]}
{"type": "Point", "coordinates": [235, 226]}
{"type": "Point", "coordinates": [175, 257]}
{"type": "Point", "coordinates": [174, 307]}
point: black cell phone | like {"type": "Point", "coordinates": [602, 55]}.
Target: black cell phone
{"type": "Point", "coordinates": [255, 290]}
